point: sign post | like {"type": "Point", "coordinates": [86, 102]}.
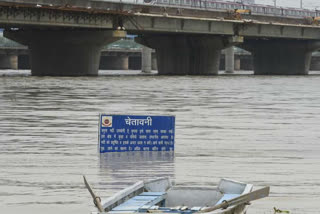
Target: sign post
{"type": "Point", "coordinates": [123, 133]}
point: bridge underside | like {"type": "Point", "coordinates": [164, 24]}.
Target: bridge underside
{"type": "Point", "coordinates": [281, 56]}
{"type": "Point", "coordinates": [62, 52]}
{"type": "Point", "coordinates": [77, 53]}
{"type": "Point", "coordinates": [187, 54]}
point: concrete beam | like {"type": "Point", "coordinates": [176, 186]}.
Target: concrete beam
{"type": "Point", "coordinates": [64, 53]}
{"type": "Point", "coordinates": [105, 15]}
{"type": "Point", "coordinates": [100, 6]}
{"type": "Point", "coordinates": [279, 31]}
{"type": "Point", "coordinates": [187, 54]}
{"type": "Point", "coordinates": [281, 57]}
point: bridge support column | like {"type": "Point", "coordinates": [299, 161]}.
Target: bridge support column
{"type": "Point", "coordinates": [114, 63]}
{"type": "Point", "coordinates": [229, 60]}
{"type": "Point", "coordinates": [315, 63]}
{"type": "Point", "coordinates": [187, 54]}
{"type": "Point", "coordinates": [63, 52]}
{"type": "Point", "coordinates": [246, 63]}
{"type": "Point", "coordinates": [154, 62]}
{"type": "Point", "coordinates": [237, 63]}
{"type": "Point", "coordinates": [146, 60]}
{"type": "Point", "coordinates": [24, 62]}
{"type": "Point", "coordinates": [135, 62]}
{"type": "Point", "coordinates": [8, 61]}
{"type": "Point", "coordinates": [281, 57]}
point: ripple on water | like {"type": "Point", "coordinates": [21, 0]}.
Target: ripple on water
{"type": "Point", "coordinates": [259, 129]}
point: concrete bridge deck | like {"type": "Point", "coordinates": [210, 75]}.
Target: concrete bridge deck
{"type": "Point", "coordinates": [138, 19]}
{"type": "Point", "coordinates": [187, 41]}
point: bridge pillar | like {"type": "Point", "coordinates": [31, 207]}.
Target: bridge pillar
{"type": "Point", "coordinates": [24, 62]}
{"type": "Point", "coordinates": [246, 63]}
{"type": "Point", "coordinates": [237, 63]}
{"type": "Point", "coordinates": [64, 52]}
{"type": "Point", "coordinates": [114, 63]}
{"type": "Point", "coordinates": [187, 54]}
{"type": "Point", "coordinates": [8, 61]}
{"type": "Point", "coordinates": [281, 57]}
{"type": "Point", "coordinates": [315, 63]}
{"type": "Point", "coordinates": [135, 62]}
{"type": "Point", "coordinates": [154, 62]}
{"type": "Point", "coordinates": [146, 60]}
{"type": "Point", "coordinates": [229, 60]}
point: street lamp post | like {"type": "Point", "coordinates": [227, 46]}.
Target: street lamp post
{"type": "Point", "coordinates": [301, 4]}
{"type": "Point", "coordinates": [275, 3]}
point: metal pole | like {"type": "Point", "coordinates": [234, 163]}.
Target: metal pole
{"type": "Point", "coordinates": [301, 4]}
{"type": "Point", "coordinates": [275, 3]}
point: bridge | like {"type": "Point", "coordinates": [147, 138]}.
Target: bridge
{"type": "Point", "coordinates": [121, 55]}
{"type": "Point", "coordinates": [65, 37]}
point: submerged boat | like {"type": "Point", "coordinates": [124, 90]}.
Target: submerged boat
{"type": "Point", "coordinates": [160, 196]}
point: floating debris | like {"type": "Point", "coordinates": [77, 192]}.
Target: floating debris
{"type": "Point", "coordinates": [280, 211]}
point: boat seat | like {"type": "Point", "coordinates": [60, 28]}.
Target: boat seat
{"type": "Point", "coordinates": [227, 197]}
{"type": "Point", "coordinates": [145, 200]}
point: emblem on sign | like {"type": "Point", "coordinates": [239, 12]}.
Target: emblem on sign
{"type": "Point", "coordinates": [106, 121]}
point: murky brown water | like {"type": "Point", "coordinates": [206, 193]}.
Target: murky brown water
{"type": "Point", "coordinates": [259, 129]}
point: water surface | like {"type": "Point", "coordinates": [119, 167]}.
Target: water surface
{"type": "Point", "coordinates": [259, 129]}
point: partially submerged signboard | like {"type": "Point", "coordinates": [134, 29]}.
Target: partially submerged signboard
{"type": "Point", "coordinates": [122, 133]}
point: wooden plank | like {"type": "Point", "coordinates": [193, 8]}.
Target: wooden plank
{"type": "Point", "coordinates": [152, 193]}
{"type": "Point", "coordinates": [121, 212]}
{"type": "Point", "coordinates": [135, 203]}
{"type": "Point", "coordinates": [157, 200]}
{"type": "Point", "coordinates": [140, 201]}
{"type": "Point", "coordinates": [126, 208]}
{"type": "Point", "coordinates": [144, 198]}
{"type": "Point", "coordinates": [123, 193]}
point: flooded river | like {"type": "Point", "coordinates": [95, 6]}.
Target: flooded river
{"type": "Point", "coordinates": [259, 129]}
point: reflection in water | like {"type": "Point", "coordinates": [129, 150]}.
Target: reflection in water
{"type": "Point", "coordinates": [137, 166]}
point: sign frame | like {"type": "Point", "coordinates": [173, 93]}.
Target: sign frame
{"type": "Point", "coordinates": [135, 115]}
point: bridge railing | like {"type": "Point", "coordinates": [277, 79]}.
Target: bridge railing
{"type": "Point", "coordinates": [227, 6]}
